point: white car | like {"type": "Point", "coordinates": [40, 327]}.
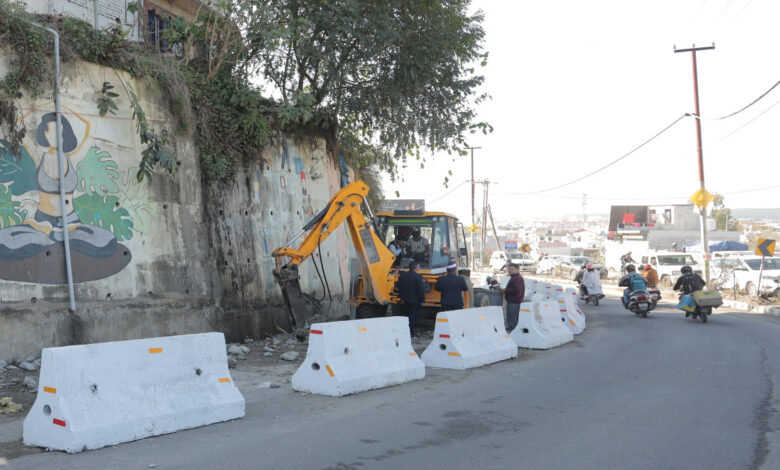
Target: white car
{"type": "Point", "coordinates": [744, 271]}
{"type": "Point", "coordinates": [499, 260]}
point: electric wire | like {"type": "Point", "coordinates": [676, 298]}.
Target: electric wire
{"type": "Point", "coordinates": [447, 193]}
{"type": "Point", "coordinates": [577, 180]}
{"type": "Point", "coordinates": [746, 106]}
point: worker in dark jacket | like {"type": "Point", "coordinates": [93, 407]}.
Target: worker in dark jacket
{"type": "Point", "coordinates": [452, 288]}
{"type": "Point", "coordinates": [514, 294]}
{"type": "Point", "coordinates": [412, 293]}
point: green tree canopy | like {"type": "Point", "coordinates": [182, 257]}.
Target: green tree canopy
{"type": "Point", "coordinates": [381, 79]}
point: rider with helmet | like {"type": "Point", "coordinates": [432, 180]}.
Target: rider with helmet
{"type": "Point", "coordinates": [687, 284]}
{"type": "Point", "coordinates": [590, 281]}
{"type": "Point", "coordinates": [632, 281]}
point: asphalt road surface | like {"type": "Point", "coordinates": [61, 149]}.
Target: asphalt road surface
{"type": "Point", "coordinates": [629, 393]}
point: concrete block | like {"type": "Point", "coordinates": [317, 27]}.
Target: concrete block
{"type": "Point", "coordinates": [96, 395]}
{"type": "Point", "coordinates": [539, 326]}
{"type": "Point", "coordinates": [346, 357]}
{"type": "Point", "coordinates": [468, 338]}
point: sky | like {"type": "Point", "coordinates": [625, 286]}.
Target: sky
{"type": "Point", "coordinates": [577, 84]}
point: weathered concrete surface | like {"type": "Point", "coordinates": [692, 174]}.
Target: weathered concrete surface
{"type": "Point", "coordinates": [190, 257]}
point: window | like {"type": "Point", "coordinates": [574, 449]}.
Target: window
{"type": "Point", "coordinates": [156, 25]}
{"type": "Point", "coordinates": [440, 248]}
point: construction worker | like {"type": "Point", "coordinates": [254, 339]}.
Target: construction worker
{"type": "Point", "coordinates": [452, 288]}
{"type": "Point", "coordinates": [412, 293]}
{"type": "Point", "coordinates": [514, 293]}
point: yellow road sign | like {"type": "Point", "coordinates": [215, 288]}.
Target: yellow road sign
{"type": "Point", "coordinates": [473, 228]}
{"type": "Point", "coordinates": [702, 198]}
{"type": "Point", "coordinates": [765, 247]}
{"type": "Point", "coordinates": [525, 248]}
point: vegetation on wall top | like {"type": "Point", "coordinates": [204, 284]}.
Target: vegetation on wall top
{"type": "Point", "coordinates": [382, 82]}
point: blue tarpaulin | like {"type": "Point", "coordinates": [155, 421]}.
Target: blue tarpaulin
{"type": "Point", "coordinates": [728, 246]}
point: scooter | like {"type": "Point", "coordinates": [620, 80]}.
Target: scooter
{"type": "Point", "coordinates": [655, 295]}
{"type": "Point", "coordinates": [640, 302]}
{"type": "Point", "coordinates": [703, 302]}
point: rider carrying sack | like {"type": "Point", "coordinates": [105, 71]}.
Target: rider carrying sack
{"type": "Point", "coordinates": [687, 284]}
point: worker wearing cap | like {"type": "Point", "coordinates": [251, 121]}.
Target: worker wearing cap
{"type": "Point", "coordinates": [452, 288]}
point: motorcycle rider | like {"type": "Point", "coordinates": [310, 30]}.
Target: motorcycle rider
{"type": "Point", "coordinates": [632, 281]}
{"type": "Point", "coordinates": [590, 284]}
{"type": "Point", "coordinates": [687, 284]}
{"type": "Point", "coordinates": [651, 276]}
{"type": "Point", "coordinates": [625, 260]}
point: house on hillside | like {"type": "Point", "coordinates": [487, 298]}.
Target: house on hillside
{"type": "Point", "coordinates": [155, 15]}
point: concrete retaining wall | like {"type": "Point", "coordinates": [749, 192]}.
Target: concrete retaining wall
{"type": "Point", "coordinates": [171, 257]}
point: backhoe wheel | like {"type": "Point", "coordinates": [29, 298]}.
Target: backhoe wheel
{"type": "Point", "coordinates": [468, 296]}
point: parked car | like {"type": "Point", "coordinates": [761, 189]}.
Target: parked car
{"type": "Point", "coordinates": [744, 271]}
{"type": "Point", "coordinates": [547, 264]}
{"type": "Point", "coordinates": [669, 264]}
{"type": "Point", "coordinates": [499, 260]}
{"type": "Point", "coordinates": [569, 266]}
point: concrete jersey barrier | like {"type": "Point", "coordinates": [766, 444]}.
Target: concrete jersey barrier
{"type": "Point", "coordinates": [571, 297]}
{"type": "Point", "coordinates": [468, 338]}
{"type": "Point", "coordinates": [95, 395]}
{"type": "Point", "coordinates": [531, 286]}
{"type": "Point", "coordinates": [569, 317]}
{"type": "Point", "coordinates": [346, 357]}
{"type": "Point", "coordinates": [539, 326]}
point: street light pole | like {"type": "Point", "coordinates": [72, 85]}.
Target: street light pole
{"type": "Point", "coordinates": [702, 210]}
{"type": "Point", "coordinates": [473, 210]}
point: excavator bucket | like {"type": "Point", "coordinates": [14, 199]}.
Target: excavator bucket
{"type": "Point", "coordinates": [298, 307]}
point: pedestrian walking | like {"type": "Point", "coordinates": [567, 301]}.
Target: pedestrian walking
{"type": "Point", "coordinates": [514, 293]}
{"type": "Point", "coordinates": [412, 293]}
{"type": "Point", "coordinates": [452, 288]}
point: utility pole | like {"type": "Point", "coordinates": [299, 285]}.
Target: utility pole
{"type": "Point", "coordinates": [473, 210]}
{"type": "Point", "coordinates": [585, 208]}
{"type": "Point", "coordinates": [702, 210]}
{"type": "Point", "coordinates": [486, 185]}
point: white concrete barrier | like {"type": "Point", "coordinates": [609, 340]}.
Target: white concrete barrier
{"type": "Point", "coordinates": [468, 338]}
{"type": "Point", "coordinates": [539, 326]}
{"type": "Point", "coordinates": [569, 316]}
{"type": "Point", "coordinates": [541, 292]}
{"type": "Point", "coordinates": [531, 286]}
{"type": "Point", "coordinates": [95, 395]}
{"type": "Point", "coordinates": [571, 297]}
{"type": "Point", "coordinates": [346, 357]}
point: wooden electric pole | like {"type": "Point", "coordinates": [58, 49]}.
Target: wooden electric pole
{"type": "Point", "coordinates": [702, 209]}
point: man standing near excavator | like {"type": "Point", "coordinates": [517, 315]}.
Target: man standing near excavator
{"type": "Point", "coordinates": [412, 293]}
{"type": "Point", "coordinates": [452, 288]}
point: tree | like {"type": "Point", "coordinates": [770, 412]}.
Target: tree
{"type": "Point", "coordinates": [380, 79]}
{"type": "Point", "coordinates": [720, 213]}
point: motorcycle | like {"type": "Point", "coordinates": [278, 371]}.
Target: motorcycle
{"type": "Point", "coordinates": [640, 302]}
{"type": "Point", "coordinates": [655, 295]}
{"type": "Point", "coordinates": [700, 303]}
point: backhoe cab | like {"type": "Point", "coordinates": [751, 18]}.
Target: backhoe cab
{"type": "Point", "coordinates": [433, 239]}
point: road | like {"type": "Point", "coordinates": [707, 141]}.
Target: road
{"type": "Point", "coordinates": [629, 393]}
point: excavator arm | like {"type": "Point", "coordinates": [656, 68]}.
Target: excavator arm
{"type": "Point", "coordinates": [375, 259]}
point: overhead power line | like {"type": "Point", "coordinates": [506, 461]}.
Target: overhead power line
{"type": "Point", "coordinates": [439, 198]}
{"type": "Point", "coordinates": [749, 104]}
{"type": "Point", "coordinates": [577, 180]}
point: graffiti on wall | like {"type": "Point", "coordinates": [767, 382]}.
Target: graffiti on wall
{"type": "Point", "coordinates": [104, 205]}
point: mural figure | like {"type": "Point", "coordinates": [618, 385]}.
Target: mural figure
{"type": "Point", "coordinates": [31, 240]}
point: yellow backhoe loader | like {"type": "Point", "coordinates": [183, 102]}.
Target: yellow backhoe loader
{"type": "Point", "coordinates": [438, 238]}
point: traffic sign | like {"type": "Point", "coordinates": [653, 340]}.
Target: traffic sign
{"type": "Point", "coordinates": [474, 228]}
{"type": "Point", "coordinates": [702, 198]}
{"type": "Point", "coordinates": [525, 248]}
{"type": "Point", "coordinates": [765, 247]}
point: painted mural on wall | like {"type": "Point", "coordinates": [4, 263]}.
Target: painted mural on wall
{"type": "Point", "coordinates": [104, 204]}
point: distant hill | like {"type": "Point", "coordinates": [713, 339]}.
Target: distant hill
{"type": "Point", "coordinates": [757, 214]}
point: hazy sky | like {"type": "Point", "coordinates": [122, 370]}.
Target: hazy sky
{"type": "Point", "coordinates": [576, 84]}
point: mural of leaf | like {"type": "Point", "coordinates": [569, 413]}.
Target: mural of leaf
{"type": "Point", "coordinates": [9, 209]}
{"type": "Point", "coordinates": [135, 199]}
{"type": "Point", "coordinates": [19, 170]}
{"type": "Point", "coordinates": [104, 212]}
{"type": "Point", "coordinates": [97, 173]}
